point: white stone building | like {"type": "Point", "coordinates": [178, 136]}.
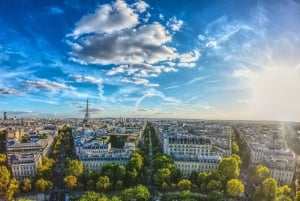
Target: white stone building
{"type": "Point", "coordinates": [24, 165]}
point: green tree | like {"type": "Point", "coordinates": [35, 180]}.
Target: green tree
{"type": "Point", "coordinates": [131, 177]}
{"type": "Point", "coordinates": [269, 189]}
{"type": "Point", "coordinates": [45, 168]}
{"type": "Point", "coordinates": [13, 187]}
{"type": "Point", "coordinates": [235, 148]}
{"type": "Point", "coordinates": [70, 181]}
{"type": "Point", "coordinates": [229, 169]}
{"type": "Point", "coordinates": [120, 172]}
{"type": "Point", "coordinates": [109, 170]}
{"type": "Point", "coordinates": [184, 184]}
{"type": "Point", "coordinates": [93, 196]}
{"type": "Point", "coordinates": [234, 188]}
{"type": "Point", "coordinates": [115, 198]}
{"type": "Point", "coordinates": [135, 162]}
{"type": "Point", "coordinates": [163, 161]}
{"type": "Point", "coordinates": [285, 190]}
{"type": "Point", "coordinates": [4, 180]}
{"type": "Point", "coordinates": [214, 185]}
{"type": "Point", "coordinates": [73, 167]}
{"type": "Point", "coordinates": [163, 175]}
{"type": "Point", "coordinates": [137, 193]}
{"type": "Point", "coordinates": [103, 183]}
{"type": "Point", "coordinates": [8, 186]}
{"type": "Point", "coordinates": [202, 178]}
{"type": "Point", "coordinates": [43, 186]}
{"type": "Point", "coordinates": [26, 185]}
{"type": "Point", "coordinates": [2, 159]}
{"type": "Point", "coordinates": [297, 197]}
{"type": "Point", "coordinates": [90, 184]}
{"type": "Point", "coordinates": [214, 196]}
{"type": "Point", "coordinates": [261, 173]}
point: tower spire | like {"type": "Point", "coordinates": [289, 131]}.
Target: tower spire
{"type": "Point", "coordinates": [87, 114]}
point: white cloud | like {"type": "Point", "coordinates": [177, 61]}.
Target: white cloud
{"type": "Point", "coordinates": [107, 19]}
{"type": "Point", "coordinates": [138, 81]}
{"type": "Point", "coordinates": [174, 24]}
{"type": "Point", "coordinates": [197, 79]}
{"type": "Point", "coordinates": [141, 6]}
{"type": "Point", "coordinates": [9, 91]}
{"type": "Point", "coordinates": [190, 56]}
{"type": "Point", "coordinates": [201, 37]}
{"type": "Point", "coordinates": [154, 93]}
{"type": "Point", "coordinates": [112, 36]}
{"type": "Point", "coordinates": [80, 78]}
{"type": "Point", "coordinates": [212, 44]}
{"type": "Point", "coordinates": [161, 16]}
{"type": "Point", "coordinates": [144, 44]}
{"type": "Point", "coordinates": [44, 84]}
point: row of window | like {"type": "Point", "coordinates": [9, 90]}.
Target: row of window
{"type": "Point", "coordinates": [16, 168]}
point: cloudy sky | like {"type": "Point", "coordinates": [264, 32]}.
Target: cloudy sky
{"type": "Point", "coordinates": [185, 59]}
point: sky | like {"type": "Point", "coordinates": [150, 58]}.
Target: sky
{"type": "Point", "coordinates": [160, 59]}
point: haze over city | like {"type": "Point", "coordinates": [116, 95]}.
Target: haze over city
{"type": "Point", "coordinates": [160, 59]}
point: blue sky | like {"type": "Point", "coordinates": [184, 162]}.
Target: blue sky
{"type": "Point", "coordinates": [185, 59]}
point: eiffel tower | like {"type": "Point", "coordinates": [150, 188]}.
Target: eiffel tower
{"type": "Point", "coordinates": [87, 114]}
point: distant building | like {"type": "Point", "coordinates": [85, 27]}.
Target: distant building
{"type": "Point", "coordinates": [193, 163]}
{"type": "Point", "coordinates": [17, 148]}
{"type": "Point", "coordinates": [24, 165]}
{"type": "Point", "coordinates": [264, 150]}
{"type": "Point", "coordinates": [191, 153]}
{"type": "Point", "coordinates": [5, 116]}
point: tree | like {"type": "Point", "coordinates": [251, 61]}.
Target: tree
{"type": "Point", "coordinates": [4, 180]}
{"type": "Point", "coordinates": [229, 169]}
{"type": "Point", "coordinates": [115, 198]}
{"type": "Point", "coordinates": [137, 193]}
{"type": "Point", "coordinates": [8, 186]}
{"type": "Point", "coordinates": [215, 196]}
{"type": "Point", "coordinates": [109, 170]}
{"type": "Point", "coordinates": [269, 189]}
{"type": "Point", "coordinates": [135, 162]}
{"type": "Point", "coordinates": [297, 197]}
{"type": "Point", "coordinates": [214, 185]}
{"type": "Point", "coordinates": [235, 148]}
{"type": "Point", "coordinates": [184, 184]}
{"type": "Point", "coordinates": [90, 184]}
{"type": "Point", "coordinates": [103, 183]}
{"type": "Point", "coordinates": [163, 175]}
{"type": "Point", "coordinates": [131, 177]}
{"type": "Point", "coordinates": [261, 173]}
{"type": "Point", "coordinates": [44, 169]}
{"type": "Point", "coordinates": [74, 167]}
{"type": "Point", "coordinates": [284, 190]}
{"type": "Point", "coordinates": [93, 196]}
{"type": "Point", "coordinates": [163, 161]}
{"type": "Point", "coordinates": [43, 186]}
{"type": "Point", "coordinates": [13, 187]}
{"type": "Point", "coordinates": [120, 172]}
{"type": "Point", "coordinates": [234, 188]}
{"type": "Point", "coordinates": [26, 185]}
{"type": "Point", "coordinates": [2, 159]}
{"type": "Point", "coordinates": [70, 181]}
{"type": "Point", "coordinates": [202, 178]}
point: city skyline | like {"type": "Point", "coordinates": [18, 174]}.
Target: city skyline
{"type": "Point", "coordinates": [192, 59]}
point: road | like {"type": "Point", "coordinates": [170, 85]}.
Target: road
{"type": "Point", "coordinates": [58, 194]}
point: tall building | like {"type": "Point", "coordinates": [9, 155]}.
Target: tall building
{"type": "Point", "coordinates": [5, 115]}
{"type": "Point", "coordinates": [87, 114]}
